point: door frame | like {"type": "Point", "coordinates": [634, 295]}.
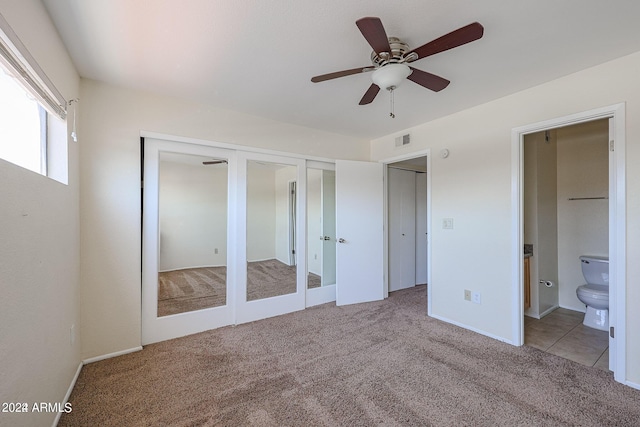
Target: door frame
{"type": "Point", "coordinates": [617, 225]}
{"type": "Point", "coordinates": [413, 155]}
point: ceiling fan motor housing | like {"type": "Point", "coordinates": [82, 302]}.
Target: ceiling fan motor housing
{"type": "Point", "coordinates": [398, 50]}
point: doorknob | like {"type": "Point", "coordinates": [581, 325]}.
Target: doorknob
{"type": "Point", "coordinates": [327, 238]}
{"type": "Point", "coordinates": [341, 240]}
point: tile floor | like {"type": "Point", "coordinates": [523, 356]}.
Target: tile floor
{"type": "Point", "coordinates": [563, 334]}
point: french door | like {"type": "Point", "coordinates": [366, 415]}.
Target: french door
{"type": "Point", "coordinates": [217, 236]}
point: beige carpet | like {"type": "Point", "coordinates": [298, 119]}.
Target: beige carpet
{"type": "Point", "coordinates": [191, 289]}
{"type": "Point", "coordinates": [383, 363]}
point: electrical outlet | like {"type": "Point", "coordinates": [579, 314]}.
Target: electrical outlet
{"type": "Point", "coordinates": [475, 297]}
{"type": "Point", "coordinates": [467, 295]}
{"type": "Point", "coordinates": [72, 334]}
{"type": "Point", "coordinates": [215, 251]}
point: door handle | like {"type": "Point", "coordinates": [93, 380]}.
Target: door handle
{"type": "Point", "coordinates": [341, 240]}
{"type": "Point", "coordinates": [327, 238]}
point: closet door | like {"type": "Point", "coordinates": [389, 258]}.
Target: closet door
{"type": "Point", "coordinates": [402, 229]}
{"type": "Point", "coordinates": [270, 232]}
{"type": "Point", "coordinates": [187, 267]}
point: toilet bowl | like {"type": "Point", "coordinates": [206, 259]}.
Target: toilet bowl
{"type": "Point", "coordinates": [595, 294]}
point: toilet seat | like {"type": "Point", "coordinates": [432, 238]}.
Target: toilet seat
{"type": "Point", "coordinates": [598, 292]}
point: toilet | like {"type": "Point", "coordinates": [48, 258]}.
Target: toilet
{"type": "Point", "coordinates": [595, 294]}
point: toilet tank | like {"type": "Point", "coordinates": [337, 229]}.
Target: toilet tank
{"type": "Point", "coordinates": [595, 269]}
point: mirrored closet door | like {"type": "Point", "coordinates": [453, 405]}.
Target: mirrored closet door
{"type": "Point", "coordinates": [186, 272]}
{"type": "Point", "coordinates": [269, 223]}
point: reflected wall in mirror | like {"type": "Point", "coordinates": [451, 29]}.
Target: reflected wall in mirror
{"type": "Point", "coordinates": [271, 228]}
{"type": "Point", "coordinates": [321, 227]}
{"type": "Point", "coordinates": [193, 233]}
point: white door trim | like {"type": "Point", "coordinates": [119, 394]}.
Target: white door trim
{"type": "Point", "coordinates": [617, 226]}
{"type": "Point", "coordinates": [422, 153]}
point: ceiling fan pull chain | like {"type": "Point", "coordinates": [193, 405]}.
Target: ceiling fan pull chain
{"type": "Point", "coordinates": [391, 114]}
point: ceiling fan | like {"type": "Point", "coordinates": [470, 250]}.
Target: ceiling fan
{"type": "Point", "coordinates": [391, 55]}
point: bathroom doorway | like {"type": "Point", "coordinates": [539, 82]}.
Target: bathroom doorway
{"type": "Point", "coordinates": [566, 186]}
{"type": "Point", "coordinates": [615, 206]}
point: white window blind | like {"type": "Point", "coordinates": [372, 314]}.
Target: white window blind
{"type": "Point", "coordinates": [15, 56]}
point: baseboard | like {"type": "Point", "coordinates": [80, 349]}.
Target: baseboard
{"type": "Point", "coordinates": [547, 311]}
{"type": "Point", "coordinates": [582, 309]}
{"type": "Point", "coordinates": [632, 385]}
{"type": "Point", "coordinates": [110, 355]}
{"type": "Point", "coordinates": [321, 295]}
{"type": "Point", "coordinates": [478, 331]}
{"type": "Point", "coordinates": [66, 396]}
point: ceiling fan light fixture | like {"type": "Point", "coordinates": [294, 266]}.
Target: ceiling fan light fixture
{"type": "Point", "coordinates": [391, 76]}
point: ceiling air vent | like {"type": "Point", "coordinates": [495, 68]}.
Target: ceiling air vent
{"type": "Point", "coordinates": [404, 140]}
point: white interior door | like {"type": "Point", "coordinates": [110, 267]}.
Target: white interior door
{"type": "Point", "coordinates": [360, 232]}
{"type": "Point", "coordinates": [187, 262]}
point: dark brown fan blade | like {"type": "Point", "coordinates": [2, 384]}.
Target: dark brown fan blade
{"type": "Point", "coordinates": [337, 74]}
{"type": "Point", "coordinates": [373, 31]}
{"type": "Point", "coordinates": [455, 38]}
{"type": "Point", "coordinates": [428, 80]}
{"type": "Point", "coordinates": [370, 94]}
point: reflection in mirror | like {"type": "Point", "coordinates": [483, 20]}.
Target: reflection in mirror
{"type": "Point", "coordinates": [271, 228]}
{"type": "Point", "coordinates": [193, 233]}
{"type": "Point", "coordinates": [321, 227]}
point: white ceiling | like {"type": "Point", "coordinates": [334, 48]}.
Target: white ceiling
{"type": "Point", "coordinates": [258, 56]}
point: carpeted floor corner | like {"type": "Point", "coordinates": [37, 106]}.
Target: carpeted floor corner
{"type": "Point", "coordinates": [380, 363]}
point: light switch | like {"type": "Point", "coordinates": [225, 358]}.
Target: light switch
{"type": "Point", "coordinates": [447, 223]}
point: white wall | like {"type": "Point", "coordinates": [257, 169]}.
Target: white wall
{"type": "Point", "coordinates": [545, 252]}
{"type": "Point", "coordinates": [193, 215]}
{"type": "Point", "coordinates": [473, 186]}
{"type": "Point", "coordinates": [39, 249]}
{"type": "Point", "coordinates": [541, 219]}
{"type": "Point", "coordinates": [111, 120]}
{"type": "Point", "coordinates": [261, 212]}
{"type": "Point", "coordinates": [583, 225]}
{"type": "Point", "coordinates": [530, 213]}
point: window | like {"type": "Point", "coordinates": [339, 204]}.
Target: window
{"type": "Point", "coordinates": [33, 130]}
{"type": "Point", "coordinates": [23, 126]}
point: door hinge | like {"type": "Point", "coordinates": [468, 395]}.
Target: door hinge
{"type": "Point", "coordinates": [293, 252]}
{"type": "Point", "coordinates": [611, 332]}
{"type": "Point", "coordinates": [611, 145]}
